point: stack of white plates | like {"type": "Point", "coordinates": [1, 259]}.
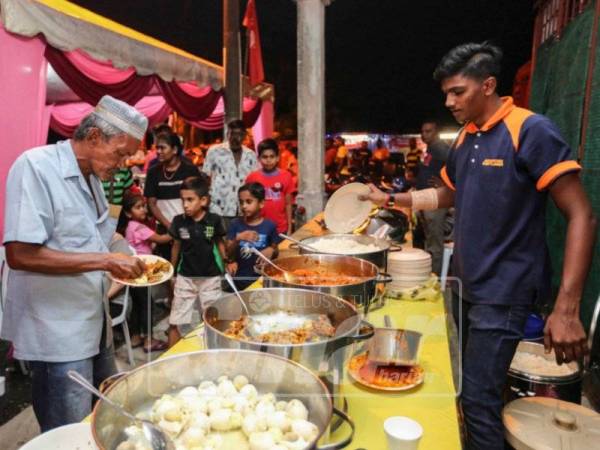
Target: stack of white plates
{"type": "Point", "coordinates": [409, 268]}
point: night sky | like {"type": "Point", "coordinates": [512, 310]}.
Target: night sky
{"type": "Point", "coordinates": [380, 54]}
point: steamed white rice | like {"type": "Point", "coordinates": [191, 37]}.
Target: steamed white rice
{"type": "Point", "coordinates": [341, 246]}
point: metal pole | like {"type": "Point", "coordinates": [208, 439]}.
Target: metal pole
{"type": "Point", "coordinates": [311, 104]}
{"type": "Point", "coordinates": [232, 61]}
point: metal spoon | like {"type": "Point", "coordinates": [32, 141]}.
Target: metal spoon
{"type": "Point", "coordinates": [237, 293]}
{"type": "Point", "coordinates": [290, 278]}
{"type": "Point", "coordinates": [300, 243]}
{"type": "Point", "coordinates": [156, 437]}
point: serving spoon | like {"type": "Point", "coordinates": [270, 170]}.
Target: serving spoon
{"type": "Point", "coordinates": [156, 437]}
{"type": "Point", "coordinates": [299, 243]}
{"type": "Point", "coordinates": [289, 277]}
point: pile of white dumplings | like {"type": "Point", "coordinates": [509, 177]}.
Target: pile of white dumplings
{"type": "Point", "coordinates": [207, 417]}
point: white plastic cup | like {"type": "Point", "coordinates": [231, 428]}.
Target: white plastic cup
{"type": "Point", "coordinates": [403, 433]}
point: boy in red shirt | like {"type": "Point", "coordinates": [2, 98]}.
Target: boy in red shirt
{"type": "Point", "coordinates": [278, 186]}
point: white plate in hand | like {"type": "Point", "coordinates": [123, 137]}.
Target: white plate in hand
{"type": "Point", "coordinates": [345, 211]}
{"type": "Point", "coordinates": [139, 282]}
{"type": "Point", "coordinates": [68, 437]}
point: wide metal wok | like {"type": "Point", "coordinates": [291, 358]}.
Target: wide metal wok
{"type": "Point", "coordinates": [139, 389]}
{"type": "Point", "coordinates": [360, 293]}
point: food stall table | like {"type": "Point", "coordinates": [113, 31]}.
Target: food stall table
{"type": "Point", "coordinates": [432, 404]}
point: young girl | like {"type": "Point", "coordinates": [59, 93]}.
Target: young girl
{"type": "Point", "coordinates": [132, 224]}
{"type": "Point", "coordinates": [251, 230]}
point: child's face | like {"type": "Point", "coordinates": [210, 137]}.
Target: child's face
{"type": "Point", "coordinates": [138, 211]}
{"type": "Point", "coordinates": [192, 203]}
{"type": "Point", "coordinates": [249, 205]}
{"type": "Point", "coordinates": [269, 160]}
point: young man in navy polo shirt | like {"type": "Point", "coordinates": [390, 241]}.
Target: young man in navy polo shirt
{"type": "Point", "coordinates": [499, 174]}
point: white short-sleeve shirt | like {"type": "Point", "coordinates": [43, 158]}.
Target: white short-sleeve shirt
{"type": "Point", "coordinates": [55, 318]}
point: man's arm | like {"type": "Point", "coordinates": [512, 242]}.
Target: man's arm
{"type": "Point", "coordinates": [445, 197]}
{"type": "Point", "coordinates": [564, 331]}
{"type": "Point", "coordinates": [157, 213]}
{"type": "Point", "coordinates": [288, 212]}
{"type": "Point", "coordinates": [38, 258]}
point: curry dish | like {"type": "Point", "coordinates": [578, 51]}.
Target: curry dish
{"type": "Point", "coordinates": [319, 277]}
{"type": "Point", "coordinates": [155, 271]}
{"type": "Point", "coordinates": [385, 376]}
{"type": "Point", "coordinates": [312, 330]}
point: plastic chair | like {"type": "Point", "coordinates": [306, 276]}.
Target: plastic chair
{"type": "Point", "coordinates": [121, 319]}
{"type": "Point", "coordinates": [448, 251]}
{"type": "Point", "coordinates": [123, 299]}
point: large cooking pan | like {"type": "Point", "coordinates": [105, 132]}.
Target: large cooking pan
{"type": "Point", "coordinates": [360, 293]}
{"type": "Point", "coordinates": [321, 357]}
{"type": "Point", "coordinates": [377, 257]}
{"type": "Point", "coordinates": [138, 389]}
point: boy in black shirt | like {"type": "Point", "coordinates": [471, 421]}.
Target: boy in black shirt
{"type": "Point", "coordinates": [198, 250]}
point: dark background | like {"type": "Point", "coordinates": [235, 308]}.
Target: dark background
{"type": "Point", "coordinates": [380, 54]}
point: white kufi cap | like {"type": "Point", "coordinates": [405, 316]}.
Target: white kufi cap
{"type": "Point", "coordinates": [122, 116]}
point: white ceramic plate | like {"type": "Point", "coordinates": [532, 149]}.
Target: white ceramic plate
{"type": "Point", "coordinates": [147, 259]}
{"type": "Point", "coordinates": [344, 211]}
{"type": "Point", "coordinates": [355, 375]}
{"type": "Point", "coordinates": [76, 436]}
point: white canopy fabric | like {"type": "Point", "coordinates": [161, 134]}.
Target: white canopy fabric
{"type": "Point", "coordinates": [68, 27]}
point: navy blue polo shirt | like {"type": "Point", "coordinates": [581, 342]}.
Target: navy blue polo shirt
{"type": "Point", "coordinates": [501, 174]}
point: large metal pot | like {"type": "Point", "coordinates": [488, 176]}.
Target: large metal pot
{"type": "Point", "coordinates": [326, 357]}
{"type": "Point", "coordinates": [521, 384]}
{"type": "Point", "coordinates": [360, 294]}
{"type": "Point", "coordinates": [378, 257]}
{"type": "Point", "coordinates": [138, 389]}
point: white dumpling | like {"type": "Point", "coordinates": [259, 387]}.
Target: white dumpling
{"type": "Point", "coordinates": [171, 428]}
{"type": "Point", "coordinates": [167, 408]}
{"type": "Point", "coordinates": [240, 403]}
{"type": "Point", "coordinates": [220, 420]}
{"type": "Point", "coordinates": [195, 404]}
{"type": "Point", "coordinates": [199, 420]}
{"type": "Point", "coordinates": [240, 381]}
{"type": "Point", "coordinates": [270, 397]}
{"type": "Point", "coordinates": [213, 442]}
{"type": "Point", "coordinates": [193, 437]}
{"type": "Point", "coordinates": [261, 441]}
{"type": "Point", "coordinates": [296, 410]}
{"type": "Point", "coordinates": [278, 447]}
{"type": "Point", "coordinates": [264, 408]}
{"type": "Point", "coordinates": [189, 391]}
{"type": "Point", "coordinates": [305, 429]}
{"type": "Point", "coordinates": [222, 378]}
{"type": "Point", "coordinates": [252, 424]}
{"type": "Point", "coordinates": [226, 388]}
{"type": "Point", "coordinates": [276, 433]}
{"type": "Point", "coordinates": [208, 389]}
{"type": "Point", "coordinates": [214, 404]}
{"type": "Point", "coordinates": [249, 391]}
{"type": "Point", "coordinates": [279, 420]}
{"type": "Point", "coordinates": [281, 405]}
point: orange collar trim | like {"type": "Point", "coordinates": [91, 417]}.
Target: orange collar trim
{"type": "Point", "coordinates": [499, 115]}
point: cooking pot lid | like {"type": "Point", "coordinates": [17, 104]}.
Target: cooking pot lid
{"type": "Point", "coordinates": [540, 423]}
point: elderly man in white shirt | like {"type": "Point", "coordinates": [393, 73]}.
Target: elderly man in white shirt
{"type": "Point", "coordinates": [57, 231]}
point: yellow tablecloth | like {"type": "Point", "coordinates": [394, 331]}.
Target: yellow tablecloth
{"type": "Point", "coordinates": [433, 404]}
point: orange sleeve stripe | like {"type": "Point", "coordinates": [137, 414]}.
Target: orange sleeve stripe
{"type": "Point", "coordinates": [446, 178]}
{"type": "Point", "coordinates": [514, 122]}
{"type": "Point", "coordinates": [554, 172]}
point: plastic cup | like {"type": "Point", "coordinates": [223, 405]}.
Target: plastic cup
{"type": "Point", "coordinates": [403, 433]}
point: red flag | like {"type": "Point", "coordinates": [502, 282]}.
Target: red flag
{"type": "Point", "coordinates": [257, 73]}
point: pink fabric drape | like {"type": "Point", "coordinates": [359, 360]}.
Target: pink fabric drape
{"type": "Point", "coordinates": [66, 117]}
{"type": "Point", "coordinates": [263, 128]}
{"type": "Point", "coordinates": [130, 89]}
{"type": "Point", "coordinates": [250, 110]}
{"type": "Point", "coordinates": [190, 101]}
{"type": "Point", "coordinates": [100, 71]}
{"type": "Point", "coordinates": [23, 116]}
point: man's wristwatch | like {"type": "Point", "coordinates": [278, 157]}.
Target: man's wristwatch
{"type": "Point", "coordinates": [389, 201]}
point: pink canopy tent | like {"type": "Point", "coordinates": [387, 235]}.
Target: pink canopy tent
{"type": "Point", "coordinates": [157, 85]}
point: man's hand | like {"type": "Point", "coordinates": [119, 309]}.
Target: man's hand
{"type": "Point", "coordinates": [124, 266]}
{"type": "Point", "coordinates": [435, 182]}
{"type": "Point", "coordinates": [375, 195]}
{"type": "Point", "coordinates": [248, 235]}
{"type": "Point", "coordinates": [564, 332]}
{"type": "Point", "coordinates": [232, 268]}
